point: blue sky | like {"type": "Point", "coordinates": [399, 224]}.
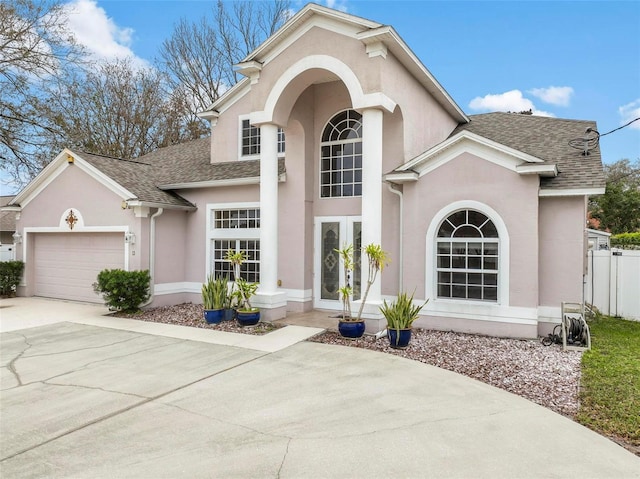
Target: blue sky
{"type": "Point", "coordinates": [578, 60]}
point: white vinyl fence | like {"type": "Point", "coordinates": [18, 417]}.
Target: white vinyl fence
{"type": "Point", "coordinates": [613, 282]}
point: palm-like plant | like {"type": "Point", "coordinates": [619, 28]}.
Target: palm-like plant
{"type": "Point", "coordinates": [377, 259]}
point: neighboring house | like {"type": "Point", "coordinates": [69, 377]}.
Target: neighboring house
{"type": "Point", "coordinates": [7, 229]}
{"type": "Point", "coordinates": [598, 239]}
{"type": "Point", "coordinates": [338, 134]}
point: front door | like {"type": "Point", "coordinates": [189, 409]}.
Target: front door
{"type": "Point", "coordinates": [332, 233]}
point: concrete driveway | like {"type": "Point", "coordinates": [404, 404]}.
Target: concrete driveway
{"type": "Point", "coordinates": [86, 400]}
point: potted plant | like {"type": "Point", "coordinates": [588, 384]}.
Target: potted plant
{"type": "Point", "coordinates": [400, 315]}
{"type": "Point", "coordinates": [214, 297]}
{"type": "Point", "coordinates": [246, 315]}
{"type": "Point", "coordinates": [377, 258]}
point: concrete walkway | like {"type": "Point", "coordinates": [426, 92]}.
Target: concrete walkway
{"type": "Point", "coordinates": [82, 398]}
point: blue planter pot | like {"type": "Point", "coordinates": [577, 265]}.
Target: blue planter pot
{"type": "Point", "coordinates": [229, 314]}
{"type": "Point", "coordinates": [213, 316]}
{"type": "Point", "coordinates": [351, 329]}
{"type": "Point", "coordinates": [248, 318]}
{"type": "Point", "coordinates": [399, 339]}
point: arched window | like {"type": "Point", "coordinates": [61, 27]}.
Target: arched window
{"type": "Point", "coordinates": [341, 156]}
{"type": "Point", "coordinates": [467, 257]}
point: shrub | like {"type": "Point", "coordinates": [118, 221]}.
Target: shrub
{"type": "Point", "coordinates": [123, 290]}
{"type": "Point", "coordinates": [626, 240]}
{"type": "Point", "coordinates": [10, 274]}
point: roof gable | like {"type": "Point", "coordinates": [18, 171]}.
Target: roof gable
{"type": "Point", "coordinates": [523, 143]}
{"type": "Point", "coordinates": [375, 36]}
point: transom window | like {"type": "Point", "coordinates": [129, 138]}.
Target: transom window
{"type": "Point", "coordinates": [341, 156]}
{"type": "Point", "coordinates": [237, 218]}
{"type": "Point", "coordinates": [251, 139]}
{"type": "Point", "coordinates": [467, 257]}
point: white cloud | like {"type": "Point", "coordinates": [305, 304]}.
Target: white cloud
{"type": "Point", "coordinates": [99, 34]}
{"type": "Point", "coordinates": [629, 112]}
{"type": "Point", "coordinates": [554, 95]}
{"type": "Point", "coordinates": [509, 101]}
{"type": "Point", "coordinates": [340, 5]}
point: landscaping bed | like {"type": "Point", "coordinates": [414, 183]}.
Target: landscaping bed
{"type": "Point", "coordinates": [189, 314]}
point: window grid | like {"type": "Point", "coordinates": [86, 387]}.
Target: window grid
{"type": "Point", "coordinates": [249, 270]}
{"type": "Point", "coordinates": [237, 218]}
{"type": "Point", "coordinates": [341, 156]}
{"type": "Point", "coordinates": [251, 139]}
{"type": "Point", "coordinates": [467, 257]}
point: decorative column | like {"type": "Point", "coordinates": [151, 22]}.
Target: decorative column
{"type": "Point", "coordinates": [268, 208]}
{"type": "Point", "coordinates": [371, 191]}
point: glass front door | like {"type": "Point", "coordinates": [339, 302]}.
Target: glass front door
{"type": "Point", "coordinates": [333, 233]}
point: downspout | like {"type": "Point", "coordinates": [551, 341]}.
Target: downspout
{"type": "Point", "coordinates": [390, 185]}
{"type": "Point", "coordinates": [401, 249]}
{"type": "Point", "coordinates": [152, 254]}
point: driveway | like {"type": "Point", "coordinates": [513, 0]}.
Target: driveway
{"type": "Point", "coordinates": [86, 400]}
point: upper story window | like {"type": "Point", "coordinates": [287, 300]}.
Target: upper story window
{"type": "Point", "coordinates": [250, 139]}
{"type": "Point", "coordinates": [467, 257]}
{"type": "Point", "coordinates": [341, 156]}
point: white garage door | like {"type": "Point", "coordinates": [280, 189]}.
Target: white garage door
{"type": "Point", "coordinates": [67, 264]}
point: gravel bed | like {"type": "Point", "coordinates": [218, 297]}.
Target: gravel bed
{"type": "Point", "coordinates": [545, 375]}
{"type": "Point", "coordinates": [189, 314]}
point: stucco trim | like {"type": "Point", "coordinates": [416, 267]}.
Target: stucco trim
{"type": "Point", "coordinates": [57, 167]}
{"type": "Point", "coordinates": [545, 192]}
{"type": "Point", "coordinates": [298, 295]}
{"type": "Point", "coordinates": [496, 313]}
{"type": "Point", "coordinates": [28, 230]}
{"type": "Point", "coordinates": [503, 259]}
{"type": "Point", "coordinates": [161, 289]}
{"type": "Point", "coordinates": [359, 99]}
{"type": "Point", "coordinates": [467, 142]}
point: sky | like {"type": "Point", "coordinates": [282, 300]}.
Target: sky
{"type": "Point", "coordinates": [567, 59]}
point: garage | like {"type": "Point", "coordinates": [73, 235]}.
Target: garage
{"type": "Point", "coordinates": [66, 264]}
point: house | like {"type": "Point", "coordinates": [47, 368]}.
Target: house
{"type": "Point", "coordinates": [337, 134]}
{"type": "Point", "coordinates": [598, 239]}
{"type": "Point", "coordinates": [7, 229]}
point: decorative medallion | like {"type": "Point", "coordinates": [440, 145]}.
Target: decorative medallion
{"type": "Point", "coordinates": [71, 219]}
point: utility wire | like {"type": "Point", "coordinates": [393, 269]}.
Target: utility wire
{"type": "Point", "coordinates": [620, 127]}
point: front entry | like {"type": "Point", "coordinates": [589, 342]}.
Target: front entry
{"type": "Point", "coordinates": [332, 233]}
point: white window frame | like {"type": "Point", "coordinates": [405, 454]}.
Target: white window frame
{"type": "Point", "coordinates": [482, 240]}
{"type": "Point", "coordinates": [431, 270]}
{"type": "Point", "coordinates": [213, 233]}
{"type": "Point", "coordinates": [256, 156]}
{"type": "Point", "coordinates": [339, 142]}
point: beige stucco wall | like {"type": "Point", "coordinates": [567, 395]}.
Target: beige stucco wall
{"type": "Point", "coordinates": [562, 249]}
{"type": "Point", "coordinates": [91, 200]}
{"type": "Point", "coordinates": [513, 197]}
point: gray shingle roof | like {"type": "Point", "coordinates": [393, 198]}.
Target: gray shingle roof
{"type": "Point", "coordinates": [177, 164]}
{"type": "Point", "coordinates": [7, 218]}
{"type": "Point", "coordinates": [136, 176]}
{"type": "Point", "coordinates": [545, 138]}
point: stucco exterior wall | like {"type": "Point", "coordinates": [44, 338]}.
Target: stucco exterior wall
{"type": "Point", "coordinates": [171, 239]}
{"type": "Point", "coordinates": [467, 177]}
{"type": "Point", "coordinates": [562, 250]}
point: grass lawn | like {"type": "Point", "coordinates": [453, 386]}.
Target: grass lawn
{"type": "Point", "coordinates": [610, 385]}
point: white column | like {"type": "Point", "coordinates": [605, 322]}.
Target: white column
{"type": "Point", "coordinates": [371, 191]}
{"type": "Point", "coordinates": [268, 208]}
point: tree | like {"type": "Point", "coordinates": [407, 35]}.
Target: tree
{"type": "Point", "coordinates": [118, 110]}
{"type": "Point", "coordinates": [618, 210]}
{"type": "Point", "coordinates": [199, 56]}
{"type": "Point", "coordinates": [35, 49]}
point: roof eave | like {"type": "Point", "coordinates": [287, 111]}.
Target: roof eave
{"type": "Point", "coordinates": [153, 204]}
{"type": "Point", "coordinates": [249, 180]}
{"type": "Point", "coordinates": [559, 192]}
